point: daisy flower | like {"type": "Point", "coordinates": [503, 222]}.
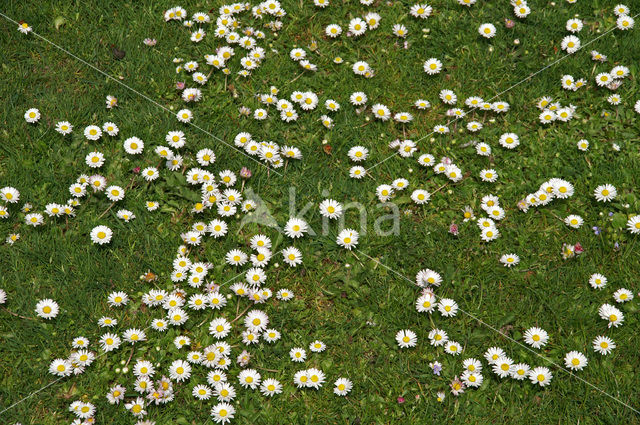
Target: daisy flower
{"type": "Point", "coordinates": [471, 379]}
{"type": "Point", "coordinates": [32, 115]}
{"type": "Point", "coordinates": [621, 10]}
{"type": "Point", "coordinates": [509, 140]}
{"type": "Point", "coordinates": [422, 11]}
{"type": "Point", "coordinates": [357, 27]}
{"type": "Point", "coordinates": [381, 112]}
{"type": "Point", "coordinates": [117, 299]}
{"type": "Point", "coordinates": [384, 192]}
{"type": "Point", "coordinates": [92, 132]}
{"type": "Point", "coordinates": [133, 146]}
{"type": "Point", "coordinates": [574, 25]}
{"type": "Point", "coordinates": [109, 342]}
{"type": "Point", "coordinates": [521, 10]}
{"type": "Point", "coordinates": [597, 281]}
{"type": "Point", "coordinates": [541, 376]}
{"type": "Point", "coordinates": [184, 115]}
{"type": "Point", "coordinates": [420, 196]}
{"type": "Point", "coordinates": [224, 391]}
{"type": "Point", "coordinates": [270, 387]}
{"type": "Point", "coordinates": [472, 365]}
{"type": "Point", "coordinates": [358, 153]}
{"type": "Point", "coordinates": [235, 257]}
{"type": "Point", "coordinates": [342, 387]}
{"type": "Point", "coordinates": [116, 394]}
{"type": "Point", "coordinates": [432, 66]}
{"type": "Point", "coordinates": [136, 407]}
{"type": "Point", "coordinates": [570, 44]}
{"type": "Point", "coordinates": [422, 104]}
{"type": "Point", "coordinates": [489, 175]}
{"type": "Point", "coordinates": [519, 371]}
{"type": "Point", "coordinates": [201, 392]}
{"type": "Point", "coordinates": [249, 378]}
{"type": "Point", "coordinates": [536, 337]}
{"type": "Point", "coordinates": [603, 345]}
{"type": "Point", "coordinates": [453, 348]}
{"type": "Point", "coordinates": [575, 360]}
{"type": "Point", "coordinates": [357, 172]}
{"type": "Point", "coordinates": [502, 366]}
{"type": "Point", "coordinates": [297, 354]}
{"type": "Point", "coordinates": [47, 309]}
{"type": "Point", "coordinates": [256, 320]}
{"type": "Point", "coordinates": [295, 228]}
{"type": "Point", "coordinates": [361, 68]}
{"type": "Point", "coordinates": [114, 193]}
{"type": "Point", "coordinates": [317, 346]}
{"type": "Point", "coordinates": [438, 337]}
{"type": "Point", "coordinates": [426, 303]}
{"type": "Point", "coordinates": [219, 328]}
{"type": "Point", "coordinates": [292, 256]}
{"type": "Point", "coordinates": [60, 367]}
{"type": "Point", "coordinates": [489, 234]}
{"type": "Point", "coordinates": [448, 97]}
{"type": "Point", "coordinates": [605, 193]}
{"type": "Point", "coordinates": [603, 79]}
{"type": "Point", "coordinates": [406, 338]}
{"type": "Point", "coordinates": [574, 221]}
{"type": "Point", "coordinates": [625, 22]}
{"type": "Point", "coordinates": [547, 116]}
{"type": "Point", "coordinates": [284, 294]}
{"type": "Point", "coordinates": [403, 117]}
{"type": "Point", "coordinates": [134, 335]}
{"type": "Point", "coordinates": [64, 127]}
{"type": "Point", "coordinates": [9, 194]}
{"type": "Point", "coordinates": [493, 354]}
{"type": "Point", "coordinates": [110, 128]}
{"type": "Point", "coordinates": [483, 149]}
{"type": "Point", "coordinates": [94, 159]}
{"type": "Point", "coordinates": [24, 28]}
{"type": "Point", "coordinates": [447, 307]}
{"type": "Point", "coordinates": [399, 30]}
{"type": "Point", "coordinates": [633, 224]}
{"type": "Point", "coordinates": [487, 30]}
{"type": "Point", "coordinates": [358, 98]}
{"type": "Point", "coordinates": [614, 99]}
{"type": "Point", "coordinates": [107, 322]}
{"type": "Point", "coordinates": [619, 71]}
{"type": "Point", "coordinates": [180, 370]}
{"type": "Point", "coordinates": [428, 277]}
{"type": "Point", "coordinates": [101, 235]}
{"type": "Point", "coordinates": [583, 145]}
{"type": "Point", "coordinates": [111, 101]}
{"type": "Point", "coordinates": [611, 314]}
{"type": "Point", "coordinates": [330, 208]}
{"type": "Point", "coordinates": [372, 19]}
{"type": "Point", "coordinates": [347, 238]}
{"type": "Point", "coordinates": [509, 260]}
{"type": "Point", "coordinates": [271, 335]}
{"type": "Point", "coordinates": [316, 378]}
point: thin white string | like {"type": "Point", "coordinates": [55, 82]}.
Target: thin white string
{"type": "Point", "coordinates": [144, 96]}
{"type": "Point", "coordinates": [506, 90]}
{"type": "Point", "coordinates": [509, 338]}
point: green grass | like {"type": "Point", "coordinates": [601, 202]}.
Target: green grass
{"type": "Point", "coordinates": [338, 294]}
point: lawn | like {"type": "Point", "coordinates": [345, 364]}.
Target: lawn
{"type": "Point", "coordinates": [353, 300]}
